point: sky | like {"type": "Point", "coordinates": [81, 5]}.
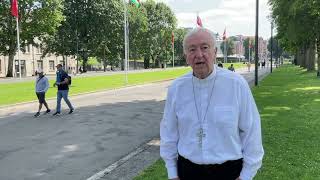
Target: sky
{"type": "Point", "coordinates": [237, 16]}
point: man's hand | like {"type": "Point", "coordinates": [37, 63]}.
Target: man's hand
{"type": "Point", "coordinates": [238, 178]}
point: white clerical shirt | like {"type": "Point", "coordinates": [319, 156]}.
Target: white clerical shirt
{"type": "Point", "coordinates": [231, 123]}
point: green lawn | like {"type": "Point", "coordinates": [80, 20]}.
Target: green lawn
{"type": "Point", "coordinates": [289, 103]}
{"type": "Point", "coordinates": [236, 65]}
{"type": "Point", "coordinates": [22, 92]}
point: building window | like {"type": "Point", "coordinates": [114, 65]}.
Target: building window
{"type": "Point", "coordinates": [51, 65]}
{"type": "Point", "coordinates": [39, 51]}
{"type": "Point", "coordinates": [40, 64]}
{"type": "Point", "coordinates": [0, 65]}
{"type": "Point", "coordinates": [27, 48]}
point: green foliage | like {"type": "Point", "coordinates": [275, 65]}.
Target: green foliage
{"type": "Point", "coordinates": [178, 46]}
{"type": "Point", "coordinates": [229, 46]}
{"type": "Point", "coordinates": [297, 22]}
{"type": "Point", "coordinates": [93, 61]}
{"type": "Point", "coordinates": [161, 22]}
{"type": "Point", "coordinates": [138, 26]}
{"type": "Point", "coordinates": [276, 48]}
{"type": "Point", "coordinates": [37, 20]}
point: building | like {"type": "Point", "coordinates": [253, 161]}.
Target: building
{"type": "Point", "coordinates": [32, 60]}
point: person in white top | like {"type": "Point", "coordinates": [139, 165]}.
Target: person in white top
{"type": "Point", "coordinates": [211, 126]}
{"type": "Point", "coordinates": [41, 87]}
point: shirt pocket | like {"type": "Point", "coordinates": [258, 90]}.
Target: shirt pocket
{"type": "Point", "coordinates": [224, 116]}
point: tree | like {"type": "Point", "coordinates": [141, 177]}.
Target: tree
{"type": "Point", "coordinates": [276, 49]}
{"type": "Point", "coordinates": [178, 46]}
{"type": "Point", "coordinates": [37, 19]}
{"type": "Point", "coordinates": [92, 29]}
{"type": "Point", "coordinates": [137, 28]}
{"type": "Point", "coordinates": [229, 46]}
{"type": "Point", "coordinates": [247, 47]}
{"type": "Point", "coordinates": [161, 23]}
{"type": "Point", "coordinates": [297, 23]}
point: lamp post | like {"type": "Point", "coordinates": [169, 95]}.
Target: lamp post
{"type": "Point", "coordinates": [256, 43]}
{"type": "Point", "coordinates": [271, 45]}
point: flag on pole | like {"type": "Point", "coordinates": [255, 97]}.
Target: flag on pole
{"type": "Point", "coordinates": [135, 2]}
{"type": "Point", "coordinates": [224, 34]}
{"type": "Point", "coordinates": [14, 8]}
{"type": "Point", "coordinates": [199, 22]}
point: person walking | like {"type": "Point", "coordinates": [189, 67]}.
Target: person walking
{"type": "Point", "coordinates": [41, 87]}
{"type": "Point", "coordinates": [231, 68]}
{"type": "Point", "coordinates": [211, 125]}
{"type": "Point", "coordinates": [62, 81]}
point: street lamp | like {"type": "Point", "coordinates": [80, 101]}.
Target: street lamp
{"type": "Point", "coordinates": [256, 43]}
{"type": "Point", "coordinates": [271, 45]}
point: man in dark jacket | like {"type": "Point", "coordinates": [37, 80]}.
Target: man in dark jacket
{"type": "Point", "coordinates": [62, 82]}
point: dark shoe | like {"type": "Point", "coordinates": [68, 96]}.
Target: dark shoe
{"type": "Point", "coordinates": [47, 111]}
{"type": "Point", "coordinates": [71, 111]}
{"type": "Point", "coordinates": [37, 114]}
{"type": "Point", "coordinates": [56, 114]}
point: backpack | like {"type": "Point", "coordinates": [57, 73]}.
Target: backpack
{"type": "Point", "coordinates": [69, 80]}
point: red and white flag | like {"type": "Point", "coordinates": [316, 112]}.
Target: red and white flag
{"type": "Point", "coordinates": [224, 34]}
{"type": "Point", "coordinates": [199, 22]}
{"type": "Point", "coordinates": [14, 8]}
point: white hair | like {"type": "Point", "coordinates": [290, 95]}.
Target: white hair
{"type": "Point", "coordinates": [195, 31]}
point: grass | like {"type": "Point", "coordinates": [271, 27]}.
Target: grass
{"type": "Point", "coordinates": [22, 92]}
{"type": "Point", "coordinates": [235, 65]}
{"type": "Point", "coordinates": [289, 103]}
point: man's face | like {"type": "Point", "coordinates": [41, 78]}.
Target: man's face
{"type": "Point", "coordinates": [200, 54]}
{"type": "Point", "coordinates": [58, 67]}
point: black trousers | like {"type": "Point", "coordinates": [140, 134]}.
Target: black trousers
{"type": "Point", "coordinates": [188, 170]}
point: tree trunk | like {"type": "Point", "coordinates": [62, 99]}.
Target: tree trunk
{"type": "Point", "coordinates": [85, 62]}
{"type": "Point", "coordinates": [304, 57]}
{"type": "Point", "coordinates": [318, 55]}
{"type": "Point", "coordinates": [10, 65]}
{"type": "Point", "coordinates": [299, 61]}
{"type": "Point", "coordinates": [311, 57]}
{"type": "Point", "coordinates": [134, 64]}
{"type": "Point", "coordinates": [146, 62]}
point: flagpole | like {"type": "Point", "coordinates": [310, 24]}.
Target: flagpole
{"type": "Point", "coordinates": [18, 43]}
{"type": "Point", "coordinates": [249, 51]}
{"type": "Point", "coordinates": [172, 39]}
{"type": "Point", "coordinates": [173, 53]}
{"type": "Point", "coordinates": [225, 50]}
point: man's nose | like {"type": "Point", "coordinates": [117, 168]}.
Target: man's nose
{"type": "Point", "coordinates": [199, 53]}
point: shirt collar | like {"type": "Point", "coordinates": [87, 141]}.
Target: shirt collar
{"type": "Point", "coordinates": [207, 79]}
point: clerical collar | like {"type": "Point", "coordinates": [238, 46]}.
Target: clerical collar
{"type": "Point", "coordinates": [210, 77]}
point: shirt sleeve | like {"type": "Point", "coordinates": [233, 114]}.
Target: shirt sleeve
{"type": "Point", "coordinates": [169, 136]}
{"type": "Point", "coordinates": [47, 84]}
{"type": "Point", "coordinates": [250, 134]}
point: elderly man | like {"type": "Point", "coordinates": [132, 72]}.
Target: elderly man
{"type": "Point", "coordinates": [211, 126]}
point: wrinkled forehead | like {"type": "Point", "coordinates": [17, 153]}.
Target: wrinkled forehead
{"type": "Point", "coordinates": [200, 38]}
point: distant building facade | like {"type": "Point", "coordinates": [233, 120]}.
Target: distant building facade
{"type": "Point", "coordinates": [31, 61]}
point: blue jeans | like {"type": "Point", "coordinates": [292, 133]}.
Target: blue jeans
{"type": "Point", "coordinates": [63, 94]}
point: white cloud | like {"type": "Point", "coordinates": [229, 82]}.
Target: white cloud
{"type": "Point", "coordinates": [238, 16]}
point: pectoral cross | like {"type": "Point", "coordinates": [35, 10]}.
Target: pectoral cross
{"type": "Point", "coordinates": [200, 135]}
